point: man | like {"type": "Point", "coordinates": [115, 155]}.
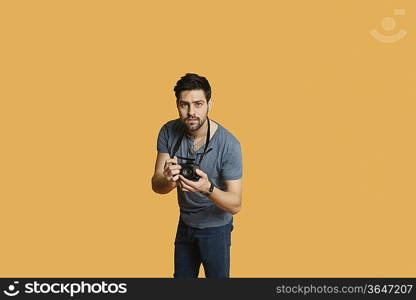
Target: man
{"type": "Point", "coordinates": [209, 200]}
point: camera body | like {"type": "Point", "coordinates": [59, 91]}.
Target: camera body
{"type": "Point", "coordinates": [188, 171]}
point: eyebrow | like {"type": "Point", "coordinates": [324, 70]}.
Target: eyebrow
{"type": "Point", "coordinates": [196, 101]}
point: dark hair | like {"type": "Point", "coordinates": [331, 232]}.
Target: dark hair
{"type": "Point", "coordinates": [192, 81]}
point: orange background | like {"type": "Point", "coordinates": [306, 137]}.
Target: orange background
{"type": "Point", "coordinates": [325, 114]}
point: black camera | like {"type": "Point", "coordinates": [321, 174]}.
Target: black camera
{"type": "Point", "coordinates": [188, 171]}
{"type": "Point", "coordinates": [189, 168]}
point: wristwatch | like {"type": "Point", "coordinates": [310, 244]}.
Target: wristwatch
{"type": "Point", "coordinates": [211, 188]}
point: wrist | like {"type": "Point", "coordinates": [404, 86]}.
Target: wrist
{"type": "Point", "coordinates": [209, 188]}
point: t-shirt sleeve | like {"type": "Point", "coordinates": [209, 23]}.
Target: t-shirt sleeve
{"type": "Point", "coordinates": [162, 140]}
{"type": "Point", "coordinates": [232, 167]}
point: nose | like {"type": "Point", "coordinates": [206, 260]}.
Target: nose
{"type": "Point", "coordinates": [191, 111]}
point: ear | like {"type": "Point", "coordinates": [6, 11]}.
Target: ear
{"type": "Point", "coordinates": [210, 105]}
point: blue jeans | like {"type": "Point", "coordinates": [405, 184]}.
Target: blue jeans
{"type": "Point", "coordinates": [209, 246]}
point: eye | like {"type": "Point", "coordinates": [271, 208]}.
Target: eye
{"type": "Point", "coordinates": [199, 104]}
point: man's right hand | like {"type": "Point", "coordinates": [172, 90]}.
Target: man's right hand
{"type": "Point", "coordinates": [171, 171]}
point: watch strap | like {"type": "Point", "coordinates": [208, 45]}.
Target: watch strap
{"type": "Point", "coordinates": [211, 188]}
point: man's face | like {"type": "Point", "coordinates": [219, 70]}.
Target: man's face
{"type": "Point", "coordinates": [193, 108]}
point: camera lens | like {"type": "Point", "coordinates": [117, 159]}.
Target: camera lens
{"type": "Point", "coordinates": [186, 172]}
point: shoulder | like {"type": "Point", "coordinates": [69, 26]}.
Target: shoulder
{"type": "Point", "coordinates": [168, 134]}
{"type": "Point", "coordinates": [228, 144]}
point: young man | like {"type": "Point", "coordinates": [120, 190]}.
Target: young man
{"type": "Point", "coordinates": [209, 194]}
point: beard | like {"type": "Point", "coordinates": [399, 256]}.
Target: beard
{"type": "Point", "coordinates": [195, 124]}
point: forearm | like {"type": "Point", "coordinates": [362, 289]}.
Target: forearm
{"type": "Point", "coordinates": [162, 186]}
{"type": "Point", "coordinates": [228, 201]}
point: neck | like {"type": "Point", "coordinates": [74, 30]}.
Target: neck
{"type": "Point", "coordinates": [201, 132]}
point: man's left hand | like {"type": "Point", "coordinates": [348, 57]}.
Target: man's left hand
{"type": "Point", "coordinates": [202, 185]}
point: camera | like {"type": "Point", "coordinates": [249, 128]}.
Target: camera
{"type": "Point", "coordinates": [188, 171]}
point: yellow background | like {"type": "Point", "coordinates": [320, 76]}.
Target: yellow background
{"type": "Point", "coordinates": [325, 114]}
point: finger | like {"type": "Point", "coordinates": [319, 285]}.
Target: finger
{"type": "Point", "coordinates": [180, 184]}
{"type": "Point", "coordinates": [171, 161]}
{"type": "Point", "coordinates": [170, 167]}
{"type": "Point", "coordinates": [166, 166]}
{"type": "Point", "coordinates": [188, 188]}
{"type": "Point", "coordinates": [184, 189]}
{"type": "Point", "coordinates": [169, 174]}
{"type": "Point", "coordinates": [174, 172]}
{"type": "Point", "coordinates": [200, 173]}
{"type": "Point", "coordinates": [174, 167]}
{"type": "Point", "coordinates": [175, 178]}
{"type": "Point", "coordinates": [188, 182]}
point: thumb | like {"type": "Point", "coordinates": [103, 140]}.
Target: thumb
{"type": "Point", "coordinates": [200, 173]}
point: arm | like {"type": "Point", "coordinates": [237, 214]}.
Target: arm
{"type": "Point", "coordinates": [229, 200]}
{"type": "Point", "coordinates": [166, 173]}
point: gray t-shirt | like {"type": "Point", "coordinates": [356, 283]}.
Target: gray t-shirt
{"type": "Point", "coordinates": [222, 163]}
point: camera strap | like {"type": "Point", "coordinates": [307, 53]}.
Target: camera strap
{"type": "Point", "coordinates": [179, 141]}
